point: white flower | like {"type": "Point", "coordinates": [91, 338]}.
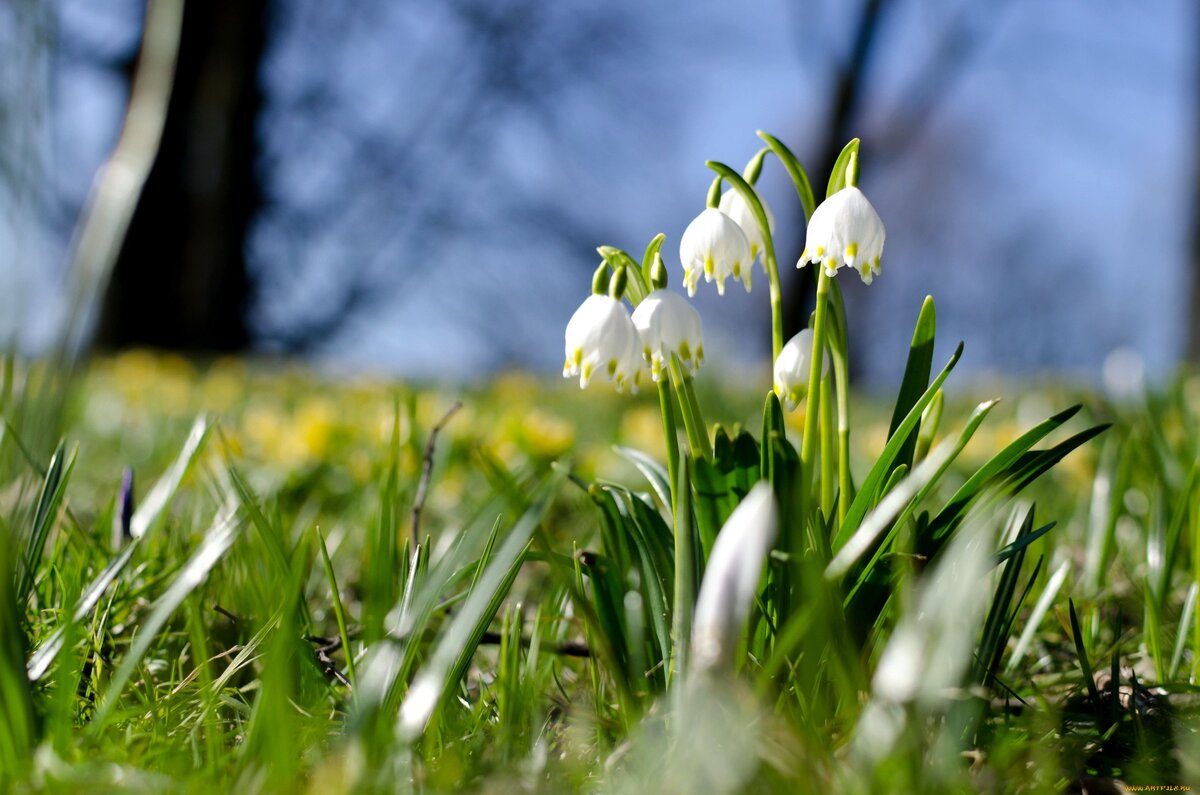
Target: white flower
{"type": "Point", "coordinates": [714, 245]}
{"type": "Point", "coordinates": [792, 368]}
{"type": "Point", "coordinates": [600, 335]}
{"type": "Point", "coordinates": [667, 324]}
{"type": "Point", "coordinates": [731, 578]}
{"type": "Point", "coordinates": [733, 205]}
{"type": "Point", "coordinates": [845, 230]}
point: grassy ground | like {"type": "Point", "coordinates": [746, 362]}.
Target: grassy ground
{"type": "Point", "coordinates": [252, 612]}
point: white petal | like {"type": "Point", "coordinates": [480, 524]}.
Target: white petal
{"type": "Point", "coordinates": [792, 368]}
{"type": "Point", "coordinates": [845, 231]}
{"type": "Point", "coordinates": [600, 337]}
{"type": "Point", "coordinates": [733, 205]}
{"type": "Point", "coordinates": [714, 245]}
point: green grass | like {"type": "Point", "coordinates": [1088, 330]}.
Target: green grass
{"type": "Point", "coordinates": [265, 622]}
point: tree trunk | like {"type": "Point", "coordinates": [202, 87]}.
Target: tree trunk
{"type": "Point", "coordinates": [846, 94]}
{"type": "Point", "coordinates": [180, 281]}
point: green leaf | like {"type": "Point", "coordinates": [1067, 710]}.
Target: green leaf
{"type": "Point", "coordinates": [50, 498]}
{"type": "Point", "coordinates": [883, 465]}
{"type": "Point", "coordinates": [216, 543]}
{"type": "Point", "coordinates": [955, 508]}
{"type": "Point", "coordinates": [145, 519]}
{"type": "Point", "coordinates": [456, 646]}
{"type": "Point", "coordinates": [916, 379]}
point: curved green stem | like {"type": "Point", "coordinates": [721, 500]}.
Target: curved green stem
{"type": "Point", "coordinates": [693, 420]}
{"type": "Point", "coordinates": [670, 435]}
{"type": "Point", "coordinates": [827, 477]}
{"type": "Point", "coordinates": [752, 201]}
{"type": "Point", "coordinates": [795, 171]}
{"type": "Point", "coordinates": [840, 355]}
{"type": "Point", "coordinates": [812, 411]}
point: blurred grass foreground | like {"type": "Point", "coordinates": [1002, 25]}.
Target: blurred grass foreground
{"type": "Point", "coordinates": [248, 610]}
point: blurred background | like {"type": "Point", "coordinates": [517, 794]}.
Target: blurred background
{"type": "Point", "coordinates": [418, 188]}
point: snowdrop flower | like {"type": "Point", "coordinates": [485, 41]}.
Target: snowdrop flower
{"type": "Point", "coordinates": [845, 230]}
{"type": "Point", "coordinates": [667, 324]}
{"type": "Point", "coordinates": [792, 368]}
{"type": "Point", "coordinates": [731, 579]}
{"type": "Point", "coordinates": [601, 335]}
{"type": "Point", "coordinates": [733, 205]}
{"type": "Point", "coordinates": [714, 245]}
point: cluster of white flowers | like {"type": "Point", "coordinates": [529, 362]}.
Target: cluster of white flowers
{"type": "Point", "coordinates": [722, 241]}
{"type": "Point", "coordinates": [602, 334]}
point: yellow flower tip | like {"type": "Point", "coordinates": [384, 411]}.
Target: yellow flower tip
{"type": "Point", "coordinates": [612, 369]}
{"type": "Point", "coordinates": [803, 258]}
{"type": "Point", "coordinates": [721, 286]}
{"type": "Point", "coordinates": [577, 357]}
{"type": "Point", "coordinates": [699, 354]}
{"type": "Point", "coordinates": [685, 350]}
{"type": "Point", "coordinates": [709, 267]}
{"type": "Point", "coordinates": [820, 252]}
{"type": "Point", "coordinates": [646, 354]}
{"type": "Point", "coordinates": [852, 251]}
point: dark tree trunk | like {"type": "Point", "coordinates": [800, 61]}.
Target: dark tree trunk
{"type": "Point", "coordinates": [847, 92]}
{"type": "Point", "coordinates": [180, 281]}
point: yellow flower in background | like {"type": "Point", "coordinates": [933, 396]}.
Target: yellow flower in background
{"type": "Point", "coordinates": [314, 425]}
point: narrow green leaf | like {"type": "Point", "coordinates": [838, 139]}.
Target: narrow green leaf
{"type": "Point", "coordinates": [916, 379]}
{"type": "Point", "coordinates": [452, 654]}
{"type": "Point", "coordinates": [883, 465]}
{"type": "Point", "coordinates": [216, 543]}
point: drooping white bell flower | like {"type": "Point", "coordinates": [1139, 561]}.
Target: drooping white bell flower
{"type": "Point", "coordinates": [601, 336]}
{"type": "Point", "coordinates": [845, 231]}
{"type": "Point", "coordinates": [792, 369]}
{"type": "Point", "coordinates": [714, 245]}
{"type": "Point", "coordinates": [667, 324]}
{"type": "Point", "coordinates": [733, 205]}
{"type": "Point", "coordinates": [731, 579]}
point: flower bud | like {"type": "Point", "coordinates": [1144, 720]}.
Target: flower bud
{"type": "Point", "coordinates": [714, 245]}
{"type": "Point", "coordinates": [846, 231]}
{"type": "Point", "coordinates": [792, 369]}
{"type": "Point", "coordinates": [731, 579]}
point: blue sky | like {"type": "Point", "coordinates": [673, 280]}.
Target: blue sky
{"type": "Point", "coordinates": [1044, 196]}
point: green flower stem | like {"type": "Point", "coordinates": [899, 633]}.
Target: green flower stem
{"type": "Point", "coordinates": [741, 186]}
{"type": "Point", "coordinates": [827, 475]}
{"type": "Point", "coordinates": [693, 420]}
{"type": "Point", "coordinates": [685, 575]}
{"type": "Point", "coordinates": [670, 435]}
{"type": "Point", "coordinates": [808, 448]}
{"type": "Point", "coordinates": [795, 171]}
{"type": "Point", "coordinates": [841, 373]}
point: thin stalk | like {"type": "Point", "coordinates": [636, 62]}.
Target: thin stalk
{"type": "Point", "coordinates": [812, 412]}
{"type": "Point", "coordinates": [841, 374]}
{"type": "Point", "coordinates": [670, 435]}
{"type": "Point", "coordinates": [693, 420]}
{"type": "Point", "coordinates": [685, 579]}
{"type": "Point", "coordinates": [827, 474]}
